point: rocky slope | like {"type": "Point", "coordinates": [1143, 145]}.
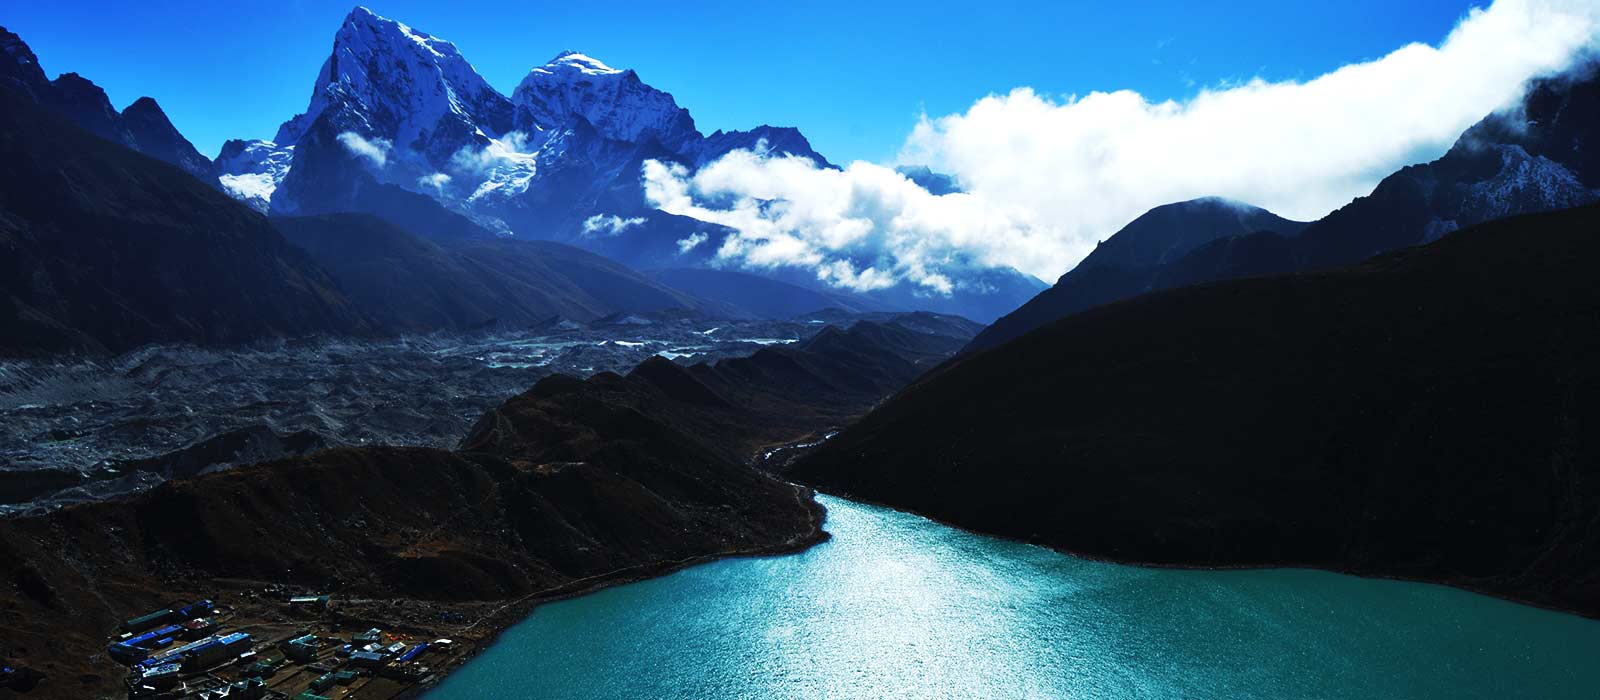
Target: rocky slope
{"type": "Point", "coordinates": [407, 282]}
{"type": "Point", "coordinates": [761, 297]}
{"type": "Point", "coordinates": [1539, 156]}
{"type": "Point", "coordinates": [1430, 414]}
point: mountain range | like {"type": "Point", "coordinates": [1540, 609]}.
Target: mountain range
{"type": "Point", "coordinates": [118, 232]}
{"type": "Point", "coordinates": [400, 119]}
{"type": "Point", "coordinates": [108, 249]}
{"type": "Point", "coordinates": [559, 161]}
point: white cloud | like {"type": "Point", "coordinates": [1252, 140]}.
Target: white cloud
{"type": "Point", "coordinates": [506, 165]}
{"type": "Point", "coordinates": [249, 186]}
{"type": "Point", "coordinates": [375, 150]}
{"type": "Point", "coordinates": [1048, 177]}
{"type": "Point", "coordinates": [608, 225]}
{"type": "Point", "coordinates": [509, 150]}
{"type": "Point", "coordinates": [690, 242]}
{"type": "Point", "coordinates": [862, 228]}
{"type": "Point", "coordinates": [436, 181]}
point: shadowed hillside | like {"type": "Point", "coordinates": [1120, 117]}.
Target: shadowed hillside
{"type": "Point", "coordinates": [108, 249]}
{"type": "Point", "coordinates": [420, 282]}
{"type": "Point", "coordinates": [1432, 414]}
{"type": "Point", "coordinates": [1132, 260]}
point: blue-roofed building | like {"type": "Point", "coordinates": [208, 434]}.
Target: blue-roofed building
{"type": "Point", "coordinates": [413, 652]}
{"type": "Point", "coordinates": [174, 655]}
{"type": "Point", "coordinates": [199, 608]}
{"type": "Point", "coordinates": [216, 651]}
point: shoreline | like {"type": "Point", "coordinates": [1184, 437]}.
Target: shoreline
{"type": "Point", "coordinates": [1467, 588]}
{"type": "Point", "coordinates": [513, 612]}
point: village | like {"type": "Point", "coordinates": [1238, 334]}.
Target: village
{"type": "Point", "coordinates": [205, 651]}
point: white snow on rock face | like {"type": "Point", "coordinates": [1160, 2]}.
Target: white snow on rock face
{"type": "Point", "coordinates": [503, 168]}
{"type": "Point", "coordinates": [1524, 183]}
{"type": "Point", "coordinates": [251, 171]}
{"type": "Point", "coordinates": [409, 87]}
{"type": "Point", "coordinates": [572, 60]}
{"type": "Point", "coordinates": [615, 102]}
{"type": "Point", "coordinates": [450, 134]}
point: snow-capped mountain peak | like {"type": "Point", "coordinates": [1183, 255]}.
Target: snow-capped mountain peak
{"type": "Point", "coordinates": [568, 61]}
{"type": "Point", "coordinates": [404, 85]}
{"type": "Point", "coordinates": [616, 102]}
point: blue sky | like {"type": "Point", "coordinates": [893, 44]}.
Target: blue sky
{"type": "Point", "coordinates": [853, 75]}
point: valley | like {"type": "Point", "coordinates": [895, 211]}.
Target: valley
{"type": "Point", "coordinates": [78, 430]}
{"type": "Point", "coordinates": [510, 378]}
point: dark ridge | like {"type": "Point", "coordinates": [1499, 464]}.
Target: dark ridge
{"type": "Point", "coordinates": [1130, 262]}
{"type": "Point", "coordinates": [733, 408]}
{"type": "Point", "coordinates": [142, 126]}
{"type": "Point", "coordinates": [676, 383]}
{"type": "Point", "coordinates": [155, 136]}
{"type": "Point", "coordinates": [1431, 414]}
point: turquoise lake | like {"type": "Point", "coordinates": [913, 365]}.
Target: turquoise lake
{"type": "Point", "coordinates": [897, 606]}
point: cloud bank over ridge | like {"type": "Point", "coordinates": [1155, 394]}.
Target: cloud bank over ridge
{"type": "Point", "coordinates": [1046, 177]}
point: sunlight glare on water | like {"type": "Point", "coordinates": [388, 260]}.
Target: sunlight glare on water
{"type": "Point", "coordinates": [896, 606]}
